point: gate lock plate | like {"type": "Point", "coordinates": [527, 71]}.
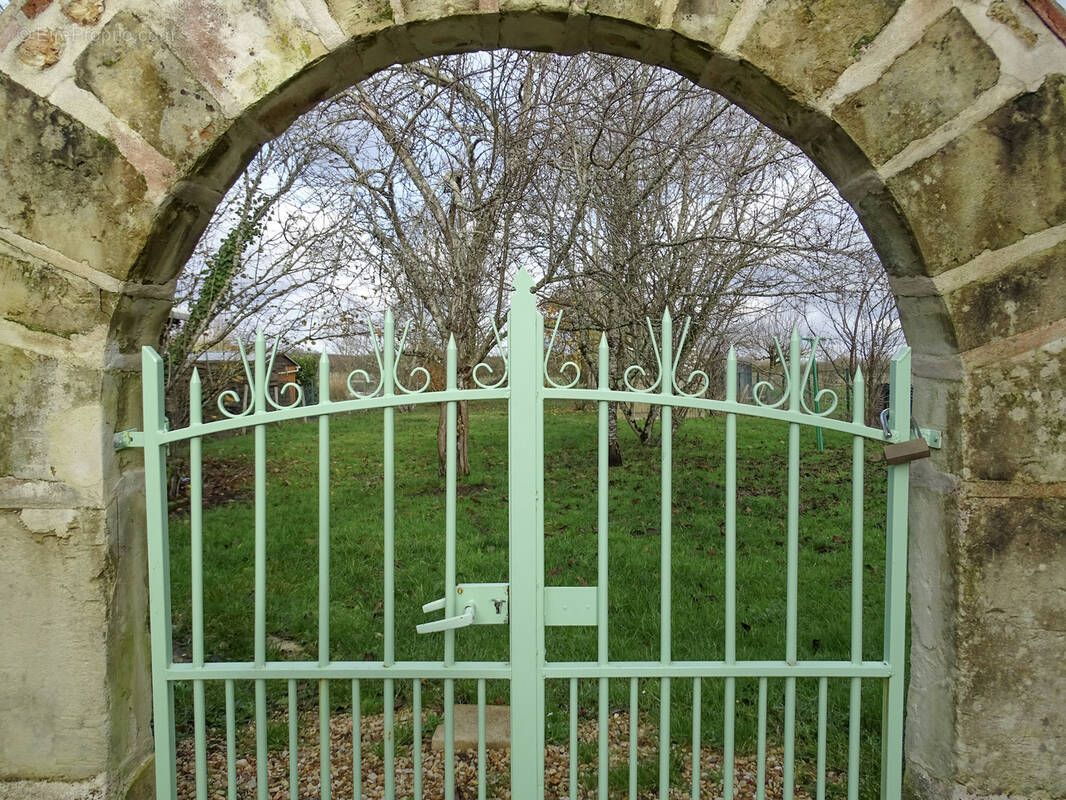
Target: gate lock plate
{"type": "Point", "coordinates": [488, 604]}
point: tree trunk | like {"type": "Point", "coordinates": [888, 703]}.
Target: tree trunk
{"type": "Point", "coordinates": [462, 439]}
{"type": "Point", "coordinates": [614, 447]}
{"type": "Point", "coordinates": [442, 439]}
{"type": "Point", "coordinates": [462, 434]}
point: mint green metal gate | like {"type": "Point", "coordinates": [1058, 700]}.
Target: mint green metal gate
{"type": "Point", "coordinates": [524, 603]}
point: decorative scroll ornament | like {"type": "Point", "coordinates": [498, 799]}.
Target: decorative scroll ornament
{"type": "Point", "coordinates": [298, 400]}
{"type": "Point", "coordinates": [416, 371]}
{"type": "Point", "coordinates": [566, 366]}
{"type": "Point", "coordinates": [485, 366]}
{"type": "Point", "coordinates": [696, 374]}
{"type": "Point", "coordinates": [811, 361]}
{"type": "Point", "coordinates": [792, 377]}
{"type": "Point", "coordinates": [756, 390]}
{"type": "Point", "coordinates": [362, 373]}
{"type": "Point", "coordinates": [636, 369]}
{"type": "Point", "coordinates": [231, 396]}
{"type": "Point", "coordinates": [379, 345]}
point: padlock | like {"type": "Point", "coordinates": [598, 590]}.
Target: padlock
{"type": "Point", "coordinates": [904, 452]}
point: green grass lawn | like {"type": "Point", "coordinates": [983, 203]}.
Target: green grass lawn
{"type": "Point", "coordinates": [356, 619]}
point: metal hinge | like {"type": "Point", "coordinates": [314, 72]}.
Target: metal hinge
{"type": "Point", "coordinates": [933, 437]}
{"type": "Point", "coordinates": [125, 439]}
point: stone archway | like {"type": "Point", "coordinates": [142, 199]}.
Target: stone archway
{"type": "Point", "coordinates": [943, 123]}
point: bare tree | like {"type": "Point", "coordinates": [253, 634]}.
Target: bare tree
{"type": "Point", "coordinates": [624, 189]}
{"type": "Point", "coordinates": [273, 255]}
{"type": "Point", "coordinates": [695, 207]}
{"type": "Point", "coordinates": [439, 160]}
{"type": "Point", "coordinates": [861, 316]}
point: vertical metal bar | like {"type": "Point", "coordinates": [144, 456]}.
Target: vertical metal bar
{"type": "Point", "coordinates": [416, 745]}
{"type": "Point", "coordinates": [788, 767]}
{"type": "Point", "coordinates": [196, 556]}
{"type": "Point", "coordinates": [389, 587]}
{"type": "Point", "coordinates": [449, 575]}
{"type": "Point", "coordinates": [449, 739]}
{"type": "Point", "coordinates": [822, 709]}
{"type": "Point", "coordinates": [324, 748]}
{"type": "Point", "coordinates": [261, 789]}
{"type": "Point", "coordinates": [538, 561]}
{"type": "Point", "coordinates": [323, 512]}
{"type": "Point", "coordinates": [729, 708]}
{"type": "Point", "coordinates": [602, 493]}
{"type": "Point", "coordinates": [231, 742]}
{"type": "Point", "coordinates": [665, 553]}
{"type": "Point", "coordinates": [174, 739]}
{"type": "Point", "coordinates": [573, 739]}
{"type": "Point", "coordinates": [357, 741]}
{"type": "Point", "coordinates": [526, 335]}
{"type": "Point", "coordinates": [259, 401]}
{"type": "Point", "coordinates": [199, 739]}
{"type": "Point", "coordinates": [760, 752]}
{"type": "Point", "coordinates": [854, 716]}
{"type": "Point", "coordinates": [697, 737]}
{"type": "Point", "coordinates": [155, 490]}
{"type": "Point", "coordinates": [481, 743]}
{"type": "Point", "coordinates": [857, 483]}
{"type": "Point", "coordinates": [294, 761]}
{"type": "Point", "coordinates": [634, 733]}
{"type": "Point", "coordinates": [389, 733]}
{"type": "Point", "coordinates": [792, 576]}
{"type": "Point", "coordinates": [259, 394]}
{"type": "Point", "coordinates": [896, 581]}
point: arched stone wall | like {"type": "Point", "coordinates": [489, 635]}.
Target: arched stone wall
{"type": "Point", "coordinates": [941, 122]}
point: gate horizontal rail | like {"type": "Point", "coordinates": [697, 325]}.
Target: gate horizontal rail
{"type": "Point", "coordinates": [492, 670]}
{"type": "Point", "coordinates": [481, 395]}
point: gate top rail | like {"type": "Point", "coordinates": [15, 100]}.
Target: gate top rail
{"type": "Point", "coordinates": [391, 390]}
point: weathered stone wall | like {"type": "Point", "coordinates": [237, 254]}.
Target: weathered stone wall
{"type": "Point", "coordinates": [941, 122]}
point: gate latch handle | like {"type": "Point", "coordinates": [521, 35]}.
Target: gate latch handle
{"type": "Point", "coordinates": [448, 623]}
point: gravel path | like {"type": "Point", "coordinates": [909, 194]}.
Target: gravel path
{"type": "Point", "coordinates": [557, 766]}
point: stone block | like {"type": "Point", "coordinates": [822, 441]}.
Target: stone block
{"type": "Point", "coordinates": [128, 645]}
{"type": "Point", "coordinates": [178, 224]}
{"type": "Point", "coordinates": [1014, 417]}
{"type": "Point", "coordinates": [361, 17]}
{"type": "Point", "coordinates": [1011, 720]}
{"type": "Point", "coordinates": [927, 324]}
{"type": "Point", "coordinates": [806, 45]}
{"type": "Point", "coordinates": [619, 35]}
{"type": "Point", "coordinates": [996, 183]}
{"type": "Point", "coordinates": [427, 10]}
{"type": "Point", "coordinates": [238, 50]}
{"type": "Point", "coordinates": [464, 33]}
{"type": "Point", "coordinates": [41, 297]}
{"type": "Point", "coordinates": [133, 72]}
{"type": "Point", "coordinates": [1029, 295]}
{"type": "Point", "coordinates": [53, 663]}
{"type": "Point", "coordinates": [933, 81]}
{"type": "Point", "coordinates": [931, 586]}
{"type": "Point", "coordinates": [497, 728]}
{"type": "Point", "coordinates": [67, 186]}
{"type": "Point", "coordinates": [641, 12]}
{"type": "Point", "coordinates": [52, 422]}
{"type": "Point", "coordinates": [704, 20]}
{"type": "Point", "coordinates": [551, 28]}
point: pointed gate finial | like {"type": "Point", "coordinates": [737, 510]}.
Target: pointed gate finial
{"type": "Point", "coordinates": [522, 281]}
